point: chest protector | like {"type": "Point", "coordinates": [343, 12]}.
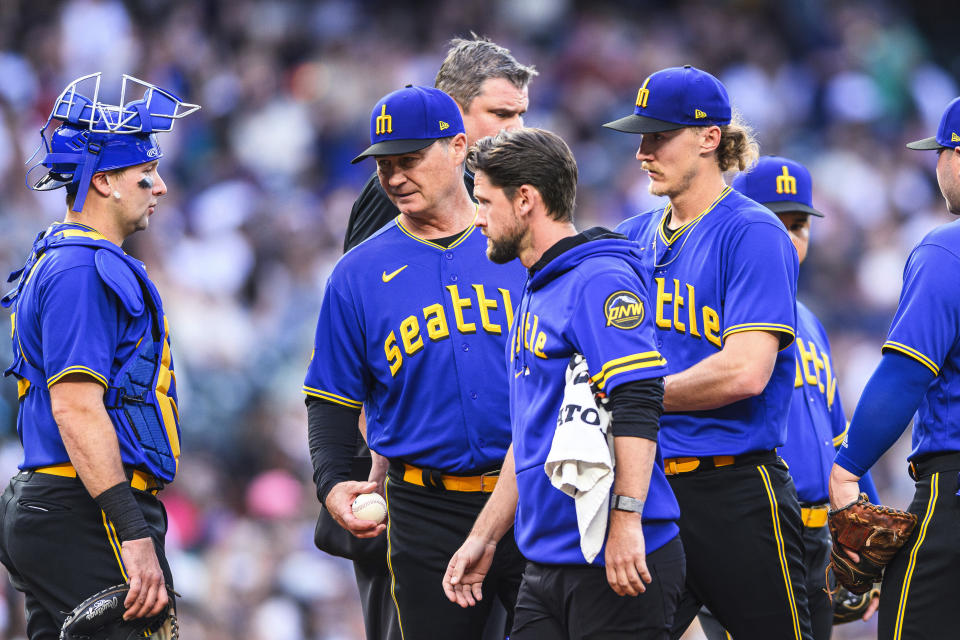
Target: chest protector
{"type": "Point", "coordinates": [141, 397]}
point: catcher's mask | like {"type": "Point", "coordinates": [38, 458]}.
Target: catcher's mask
{"type": "Point", "coordinates": [94, 136]}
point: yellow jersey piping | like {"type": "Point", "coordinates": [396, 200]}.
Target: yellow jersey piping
{"type": "Point", "coordinates": [913, 353]}
{"type": "Point", "coordinates": [463, 236]}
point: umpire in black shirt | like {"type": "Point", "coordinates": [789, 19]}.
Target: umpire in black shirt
{"type": "Point", "coordinates": [490, 87]}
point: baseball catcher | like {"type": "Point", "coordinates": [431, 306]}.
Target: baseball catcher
{"type": "Point", "coordinates": [97, 393]}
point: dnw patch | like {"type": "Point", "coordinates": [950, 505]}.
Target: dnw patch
{"type": "Point", "coordinates": [623, 310]}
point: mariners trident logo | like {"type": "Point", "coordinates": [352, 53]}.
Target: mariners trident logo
{"type": "Point", "coordinates": [384, 122]}
{"type": "Point", "coordinates": [643, 94]}
{"type": "Point", "coordinates": [786, 183]}
{"type": "Point", "coordinates": [623, 310]}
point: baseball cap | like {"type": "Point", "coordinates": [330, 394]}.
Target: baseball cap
{"type": "Point", "coordinates": [948, 133]}
{"type": "Point", "coordinates": [779, 184]}
{"type": "Point", "coordinates": [674, 98]}
{"type": "Point", "coordinates": [411, 119]}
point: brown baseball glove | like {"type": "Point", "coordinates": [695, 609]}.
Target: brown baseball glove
{"type": "Point", "coordinates": [873, 532]}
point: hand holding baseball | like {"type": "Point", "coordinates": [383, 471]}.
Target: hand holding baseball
{"type": "Point", "coordinates": [340, 502]}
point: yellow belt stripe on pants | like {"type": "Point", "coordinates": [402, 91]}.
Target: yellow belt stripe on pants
{"type": "Point", "coordinates": [781, 552]}
{"type": "Point", "coordinates": [905, 590]}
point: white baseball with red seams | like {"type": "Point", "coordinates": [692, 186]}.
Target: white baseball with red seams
{"type": "Point", "coordinates": [370, 506]}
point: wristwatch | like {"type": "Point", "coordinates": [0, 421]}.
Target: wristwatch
{"type": "Point", "coordinates": [626, 503]}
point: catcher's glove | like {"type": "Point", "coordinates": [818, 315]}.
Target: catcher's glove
{"type": "Point", "coordinates": [100, 617]}
{"type": "Point", "coordinates": [848, 607]}
{"type": "Point", "coordinates": [874, 532]}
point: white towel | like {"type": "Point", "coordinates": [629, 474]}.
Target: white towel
{"type": "Point", "coordinates": [581, 461]}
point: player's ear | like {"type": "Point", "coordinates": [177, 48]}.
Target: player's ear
{"type": "Point", "coordinates": [525, 199]}
{"type": "Point", "coordinates": [710, 138]}
{"type": "Point", "coordinates": [458, 147]}
{"type": "Point", "coordinates": [101, 183]}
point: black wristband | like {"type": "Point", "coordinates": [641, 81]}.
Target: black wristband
{"type": "Point", "coordinates": [122, 510]}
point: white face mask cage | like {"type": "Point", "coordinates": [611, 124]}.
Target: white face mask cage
{"type": "Point", "coordinates": [88, 141]}
{"type": "Point", "coordinates": [156, 111]}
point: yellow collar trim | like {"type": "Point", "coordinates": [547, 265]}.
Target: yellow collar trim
{"type": "Point", "coordinates": [679, 232]}
{"type": "Point", "coordinates": [463, 236]}
{"type": "Point", "coordinates": [74, 233]}
{"type": "Point", "coordinates": [79, 224]}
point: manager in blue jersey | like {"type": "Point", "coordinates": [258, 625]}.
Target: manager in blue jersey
{"type": "Point", "coordinates": [919, 374]}
{"type": "Point", "coordinates": [586, 294]}
{"type": "Point", "coordinates": [725, 274]}
{"type": "Point", "coordinates": [489, 86]}
{"type": "Point", "coordinates": [97, 395]}
{"type": "Point", "coordinates": [412, 328]}
{"type": "Point", "coordinates": [817, 424]}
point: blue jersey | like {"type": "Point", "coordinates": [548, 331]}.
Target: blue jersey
{"type": "Point", "coordinates": [80, 311]}
{"type": "Point", "coordinates": [926, 327]}
{"type": "Point", "coordinates": [816, 424]}
{"type": "Point", "coordinates": [592, 300]}
{"type": "Point", "coordinates": [415, 333]}
{"type": "Point", "coordinates": [731, 269]}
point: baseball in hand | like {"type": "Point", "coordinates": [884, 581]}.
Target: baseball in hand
{"type": "Point", "coordinates": [370, 506]}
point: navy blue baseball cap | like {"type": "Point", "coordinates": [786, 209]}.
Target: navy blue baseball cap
{"type": "Point", "coordinates": [411, 119]}
{"type": "Point", "coordinates": [779, 184]}
{"type": "Point", "coordinates": [948, 133]}
{"type": "Point", "coordinates": [675, 98]}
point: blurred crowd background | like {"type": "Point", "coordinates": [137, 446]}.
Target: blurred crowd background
{"type": "Point", "coordinates": [260, 188]}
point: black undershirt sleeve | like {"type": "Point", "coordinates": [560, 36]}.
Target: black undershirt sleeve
{"type": "Point", "coordinates": [636, 408]}
{"type": "Point", "coordinates": [332, 432]}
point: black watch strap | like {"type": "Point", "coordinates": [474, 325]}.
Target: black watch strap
{"type": "Point", "coordinates": [626, 503]}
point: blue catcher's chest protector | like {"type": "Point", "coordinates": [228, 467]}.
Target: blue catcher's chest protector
{"type": "Point", "coordinates": [141, 397]}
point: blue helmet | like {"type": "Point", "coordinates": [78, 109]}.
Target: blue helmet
{"type": "Point", "coordinates": [97, 137]}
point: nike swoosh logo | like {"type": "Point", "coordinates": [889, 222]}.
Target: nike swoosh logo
{"type": "Point", "coordinates": [387, 277]}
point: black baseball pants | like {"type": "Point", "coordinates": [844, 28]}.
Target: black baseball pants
{"type": "Point", "coordinates": [426, 526]}
{"type": "Point", "coordinates": [816, 557]}
{"type": "Point", "coordinates": [570, 602]}
{"type": "Point", "coordinates": [918, 598]}
{"type": "Point", "coordinates": [741, 531]}
{"type": "Point", "coordinates": [60, 549]}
